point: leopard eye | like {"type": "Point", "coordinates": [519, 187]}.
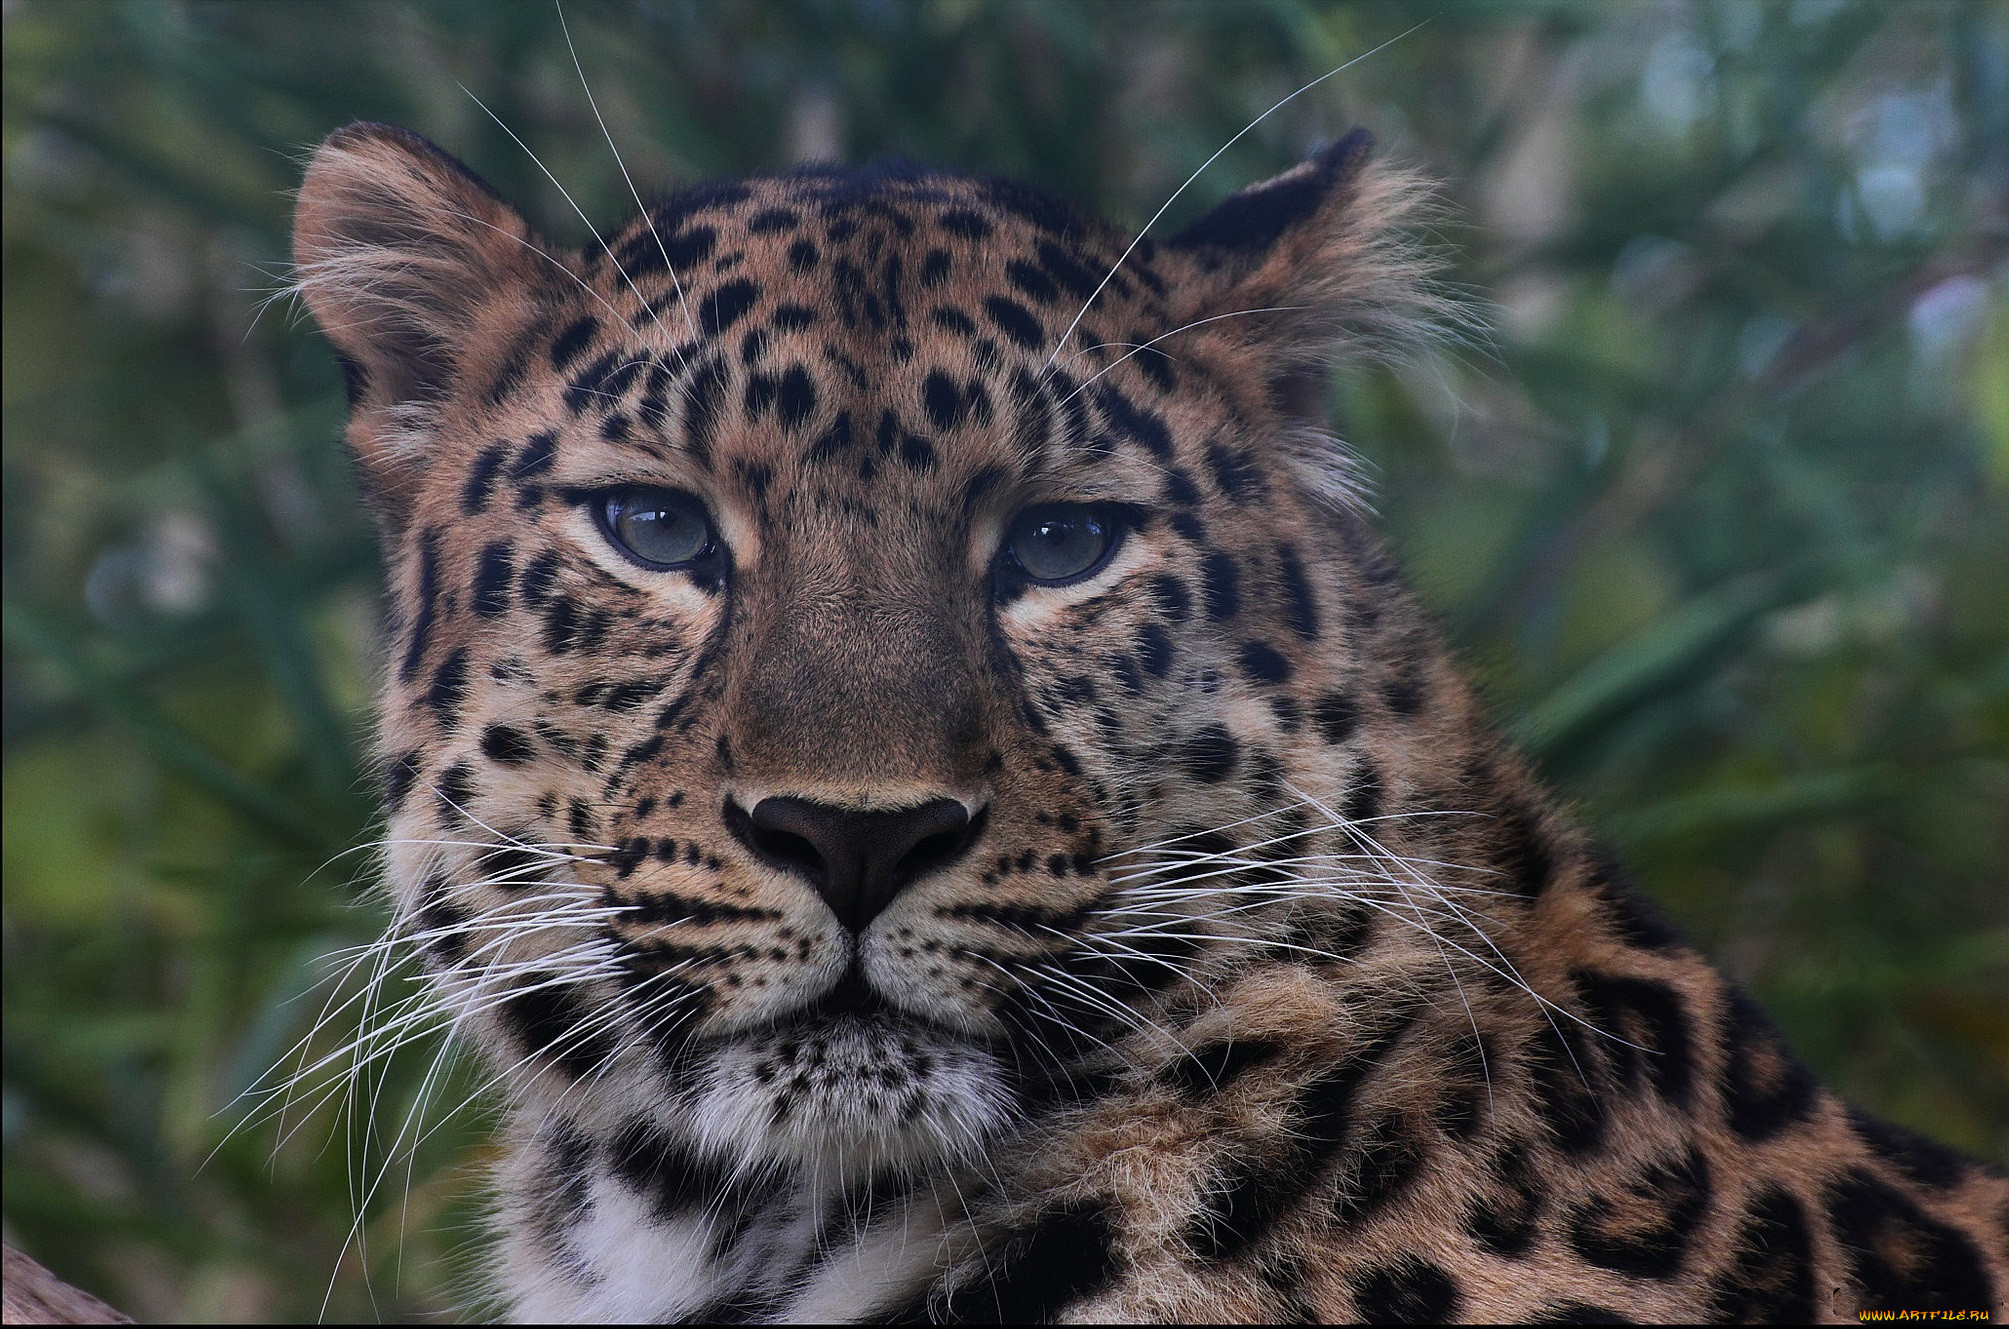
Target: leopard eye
{"type": "Point", "coordinates": [657, 527]}
{"type": "Point", "coordinates": [1054, 544]}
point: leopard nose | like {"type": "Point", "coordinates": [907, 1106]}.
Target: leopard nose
{"type": "Point", "coordinates": [857, 859]}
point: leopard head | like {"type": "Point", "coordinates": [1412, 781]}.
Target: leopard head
{"type": "Point", "coordinates": [816, 609]}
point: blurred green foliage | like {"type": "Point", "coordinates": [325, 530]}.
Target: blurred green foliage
{"type": "Point", "coordinates": [1720, 518]}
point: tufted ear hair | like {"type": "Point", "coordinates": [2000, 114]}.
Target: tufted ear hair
{"type": "Point", "coordinates": [405, 258]}
{"type": "Point", "coordinates": [1328, 247]}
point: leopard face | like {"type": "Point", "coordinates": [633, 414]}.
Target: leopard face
{"type": "Point", "coordinates": [821, 612]}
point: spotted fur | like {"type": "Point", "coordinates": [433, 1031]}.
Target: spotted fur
{"type": "Point", "coordinates": [1270, 986]}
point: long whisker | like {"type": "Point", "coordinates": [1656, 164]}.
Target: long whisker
{"type": "Point", "coordinates": [1131, 247]}
{"type": "Point", "coordinates": [1145, 346]}
{"type": "Point", "coordinates": [647, 308]}
{"type": "Point", "coordinates": [635, 193]}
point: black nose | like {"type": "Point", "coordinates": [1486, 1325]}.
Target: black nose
{"type": "Point", "coordinates": [857, 860]}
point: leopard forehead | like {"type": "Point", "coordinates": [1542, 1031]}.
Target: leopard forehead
{"type": "Point", "coordinates": [857, 344]}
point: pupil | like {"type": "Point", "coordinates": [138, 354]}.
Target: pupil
{"type": "Point", "coordinates": [660, 529]}
{"type": "Point", "coordinates": [1054, 546]}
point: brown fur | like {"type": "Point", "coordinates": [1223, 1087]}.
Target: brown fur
{"type": "Point", "coordinates": [1445, 1065]}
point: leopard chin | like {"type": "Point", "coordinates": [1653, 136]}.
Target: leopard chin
{"type": "Point", "coordinates": [850, 1094]}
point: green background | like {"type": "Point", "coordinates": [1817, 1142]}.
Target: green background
{"type": "Point", "coordinates": [1719, 517]}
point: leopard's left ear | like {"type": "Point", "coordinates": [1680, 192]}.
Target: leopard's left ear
{"type": "Point", "coordinates": [1328, 252]}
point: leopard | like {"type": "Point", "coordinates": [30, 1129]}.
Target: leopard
{"type": "Point", "coordinates": [906, 758]}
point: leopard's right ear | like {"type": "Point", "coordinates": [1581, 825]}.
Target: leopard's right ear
{"type": "Point", "coordinates": [404, 257]}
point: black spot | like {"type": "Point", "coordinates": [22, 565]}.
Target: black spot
{"type": "Point", "coordinates": [1038, 207]}
{"type": "Point", "coordinates": [602, 382]}
{"type": "Point", "coordinates": [702, 400]}
{"type": "Point", "coordinates": [1220, 583]}
{"type": "Point", "coordinates": [491, 580]}
{"type": "Point", "coordinates": [1208, 756]}
{"type": "Point", "coordinates": [510, 868]}
{"type": "Point", "coordinates": [399, 773]}
{"type": "Point", "coordinates": [961, 221]}
{"type": "Point", "coordinates": [1032, 280]}
{"type": "Point", "coordinates": [507, 744]}
{"type": "Point", "coordinates": [1903, 1259]}
{"type": "Point", "coordinates": [1067, 1256]}
{"type": "Point", "coordinates": [1154, 650]}
{"type": "Point", "coordinates": [1404, 689]}
{"type": "Point", "coordinates": [481, 478]}
{"type": "Point", "coordinates": [568, 628]}
{"type": "Point", "coordinates": [1213, 1068]}
{"type": "Point", "coordinates": [832, 442]}
{"type": "Point", "coordinates": [684, 250]}
{"type": "Point", "coordinates": [1770, 1278]}
{"type": "Point", "coordinates": [563, 1196]}
{"type": "Point", "coordinates": [427, 599]}
{"type": "Point", "coordinates": [1376, 1169]}
{"type": "Point", "coordinates": [632, 695]}
{"type": "Point", "coordinates": [802, 256]}
{"type": "Point", "coordinates": [1337, 717]}
{"type": "Point", "coordinates": [1234, 472]}
{"type": "Point", "coordinates": [1636, 919]}
{"type": "Point", "coordinates": [760, 390]}
{"type": "Point", "coordinates": [449, 688]}
{"type": "Point", "coordinates": [1645, 1028]}
{"type": "Point", "coordinates": [1300, 606]}
{"type": "Point", "coordinates": [1331, 936]}
{"type": "Point", "coordinates": [514, 367]}
{"type": "Point", "coordinates": [536, 458]}
{"type": "Point", "coordinates": [795, 400]}
{"type": "Point", "coordinates": [1504, 1215]}
{"type": "Point", "coordinates": [1253, 1197]}
{"type": "Point", "coordinates": [1263, 663]}
{"type": "Point", "coordinates": [1926, 1162]}
{"type": "Point", "coordinates": [1179, 487]}
{"type": "Point", "coordinates": [793, 318]}
{"type": "Point", "coordinates": [455, 791]}
{"type": "Point", "coordinates": [572, 343]}
{"type": "Point", "coordinates": [549, 1019]}
{"type": "Point", "coordinates": [935, 268]}
{"type": "Point", "coordinates": [944, 400]}
{"type": "Point", "coordinates": [726, 306]}
{"type": "Point", "coordinates": [1765, 1087]}
{"type": "Point", "coordinates": [672, 1178]}
{"type": "Point", "coordinates": [1363, 797]}
{"type": "Point", "coordinates": [772, 219]}
{"type": "Point", "coordinates": [1063, 268]}
{"type": "Point", "coordinates": [1015, 321]}
{"type": "Point", "coordinates": [956, 321]}
{"type": "Point", "coordinates": [1645, 1227]}
{"type": "Point", "coordinates": [1134, 422]}
{"type": "Point", "coordinates": [445, 926]}
{"type": "Point", "coordinates": [1408, 1291]}
{"type": "Point", "coordinates": [1523, 848]}
{"type": "Point", "coordinates": [539, 578]}
{"type": "Point", "coordinates": [1564, 1073]}
{"type": "Point", "coordinates": [1173, 600]}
